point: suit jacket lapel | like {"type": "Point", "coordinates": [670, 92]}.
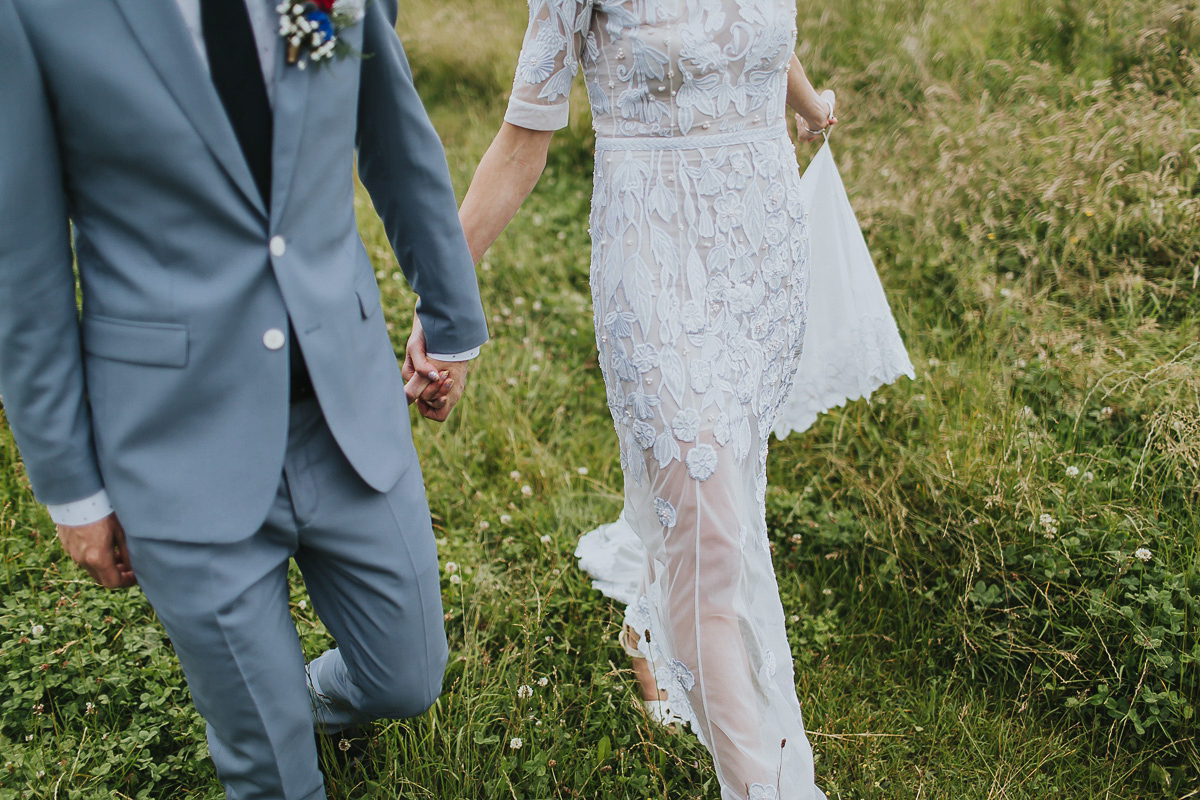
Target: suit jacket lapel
{"type": "Point", "coordinates": [160, 31]}
{"type": "Point", "coordinates": [290, 104]}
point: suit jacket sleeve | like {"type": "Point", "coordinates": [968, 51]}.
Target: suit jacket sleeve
{"type": "Point", "coordinates": [403, 166]}
{"type": "Point", "coordinates": [41, 363]}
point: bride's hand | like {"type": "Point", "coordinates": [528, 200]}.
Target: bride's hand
{"type": "Point", "coordinates": [811, 128]}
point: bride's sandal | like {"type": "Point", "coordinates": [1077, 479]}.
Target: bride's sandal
{"type": "Point", "coordinates": [656, 707]}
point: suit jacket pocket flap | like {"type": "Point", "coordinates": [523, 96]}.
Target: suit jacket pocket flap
{"type": "Point", "coordinates": [156, 344]}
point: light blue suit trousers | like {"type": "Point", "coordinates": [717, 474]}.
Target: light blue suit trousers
{"type": "Point", "coordinates": [370, 564]}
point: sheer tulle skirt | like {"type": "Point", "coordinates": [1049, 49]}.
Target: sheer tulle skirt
{"type": "Point", "coordinates": [698, 276]}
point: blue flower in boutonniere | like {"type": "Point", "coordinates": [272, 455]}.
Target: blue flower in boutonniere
{"type": "Point", "coordinates": [311, 28]}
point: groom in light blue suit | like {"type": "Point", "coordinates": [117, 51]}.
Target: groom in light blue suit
{"type": "Point", "coordinates": [227, 398]}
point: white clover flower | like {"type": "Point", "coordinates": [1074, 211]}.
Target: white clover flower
{"type": "Point", "coordinates": [37, 630]}
{"type": "Point", "coordinates": [456, 579]}
{"type": "Point", "coordinates": [451, 567]}
{"type": "Point", "coordinates": [1143, 554]}
{"type": "Point", "coordinates": [542, 681]}
{"type": "Point", "coordinates": [89, 708]}
{"type": "Point", "coordinates": [524, 692]}
{"type": "Point", "coordinates": [545, 538]}
{"type": "Point", "coordinates": [484, 524]}
{"type": "Point", "coordinates": [1072, 471]}
{"type": "Point", "coordinates": [505, 519]}
{"type": "Point", "coordinates": [516, 743]}
{"type": "Point", "coordinates": [516, 476]}
{"type": "Point", "coordinates": [582, 470]}
{"type": "Point", "coordinates": [1106, 412]}
{"type": "Point", "coordinates": [827, 592]}
{"type": "Point", "coordinates": [303, 604]}
{"type": "Point", "coordinates": [526, 491]}
{"type": "Point", "coordinates": [1049, 525]}
{"type": "Point", "coordinates": [1088, 477]}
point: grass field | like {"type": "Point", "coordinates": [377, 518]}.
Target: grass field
{"type": "Point", "coordinates": [957, 557]}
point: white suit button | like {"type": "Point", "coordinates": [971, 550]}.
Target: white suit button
{"type": "Point", "coordinates": [278, 246]}
{"type": "Point", "coordinates": [274, 339]}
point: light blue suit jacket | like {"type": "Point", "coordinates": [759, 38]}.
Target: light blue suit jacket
{"type": "Point", "coordinates": [163, 391]}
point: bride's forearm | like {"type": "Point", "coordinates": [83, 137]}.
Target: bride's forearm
{"type": "Point", "coordinates": [505, 176]}
{"type": "Point", "coordinates": [803, 98]}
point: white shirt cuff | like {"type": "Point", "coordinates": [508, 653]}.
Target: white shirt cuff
{"type": "Point", "coordinates": [466, 355]}
{"type": "Point", "coordinates": [81, 512]}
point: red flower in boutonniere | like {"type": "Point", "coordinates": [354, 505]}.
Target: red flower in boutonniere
{"type": "Point", "coordinates": [311, 28]}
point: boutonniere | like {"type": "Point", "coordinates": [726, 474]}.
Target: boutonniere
{"type": "Point", "coordinates": [311, 28]}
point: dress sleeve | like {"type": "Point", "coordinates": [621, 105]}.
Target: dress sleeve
{"type": "Point", "coordinates": [554, 41]}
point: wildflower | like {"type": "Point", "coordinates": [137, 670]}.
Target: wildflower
{"type": "Point", "coordinates": [1143, 554]}
{"type": "Point", "coordinates": [344, 745]}
{"type": "Point", "coordinates": [545, 538]}
{"type": "Point", "coordinates": [303, 604]}
{"type": "Point", "coordinates": [516, 742]}
{"type": "Point", "coordinates": [524, 691]}
{"type": "Point", "coordinates": [827, 592]}
{"type": "Point", "coordinates": [451, 567]}
{"type": "Point", "coordinates": [455, 579]}
{"type": "Point", "coordinates": [582, 470]}
{"type": "Point", "coordinates": [526, 491]}
{"type": "Point", "coordinates": [1106, 412]}
{"type": "Point", "coordinates": [1072, 471]}
{"type": "Point", "coordinates": [537, 304]}
{"type": "Point", "coordinates": [89, 708]}
{"type": "Point", "coordinates": [484, 524]}
{"type": "Point", "coordinates": [37, 630]}
{"type": "Point", "coordinates": [1088, 477]}
{"type": "Point", "coordinates": [505, 519]}
{"type": "Point", "coordinates": [516, 476]}
{"type": "Point", "coordinates": [542, 681]}
{"type": "Point", "coordinates": [39, 709]}
{"type": "Point", "coordinates": [1049, 525]}
{"type": "Point", "coordinates": [934, 361]}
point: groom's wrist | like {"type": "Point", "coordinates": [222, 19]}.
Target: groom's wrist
{"type": "Point", "coordinates": [81, 512]}
{"type": "Point", "coordinates": [466, 355]}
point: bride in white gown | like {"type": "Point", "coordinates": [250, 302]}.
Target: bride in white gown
{"type": "Point", "coordinates": [700, 259]}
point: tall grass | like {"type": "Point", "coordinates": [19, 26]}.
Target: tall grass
{"type": "Point", "coordinates": [957, 558]}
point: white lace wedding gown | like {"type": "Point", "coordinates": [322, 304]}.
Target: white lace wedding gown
{"type": "Point", "coordinates": [699, 272]}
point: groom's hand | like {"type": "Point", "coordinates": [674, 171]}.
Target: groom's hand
{"type": "Point", "coordinates": [100, 549]}
{"type": "Point", "coordinates": [435, 386]}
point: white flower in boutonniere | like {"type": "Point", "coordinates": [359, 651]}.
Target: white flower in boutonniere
{"type": "Point", "coordinates": [311, 28]}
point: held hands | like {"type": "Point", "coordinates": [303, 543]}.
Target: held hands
{"type": "Point", "coordinates": [100, 549]}
{"type": "Point", "coordinates": [811, 128]}
{"type": "Point", "coordinates": [434, 386]}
